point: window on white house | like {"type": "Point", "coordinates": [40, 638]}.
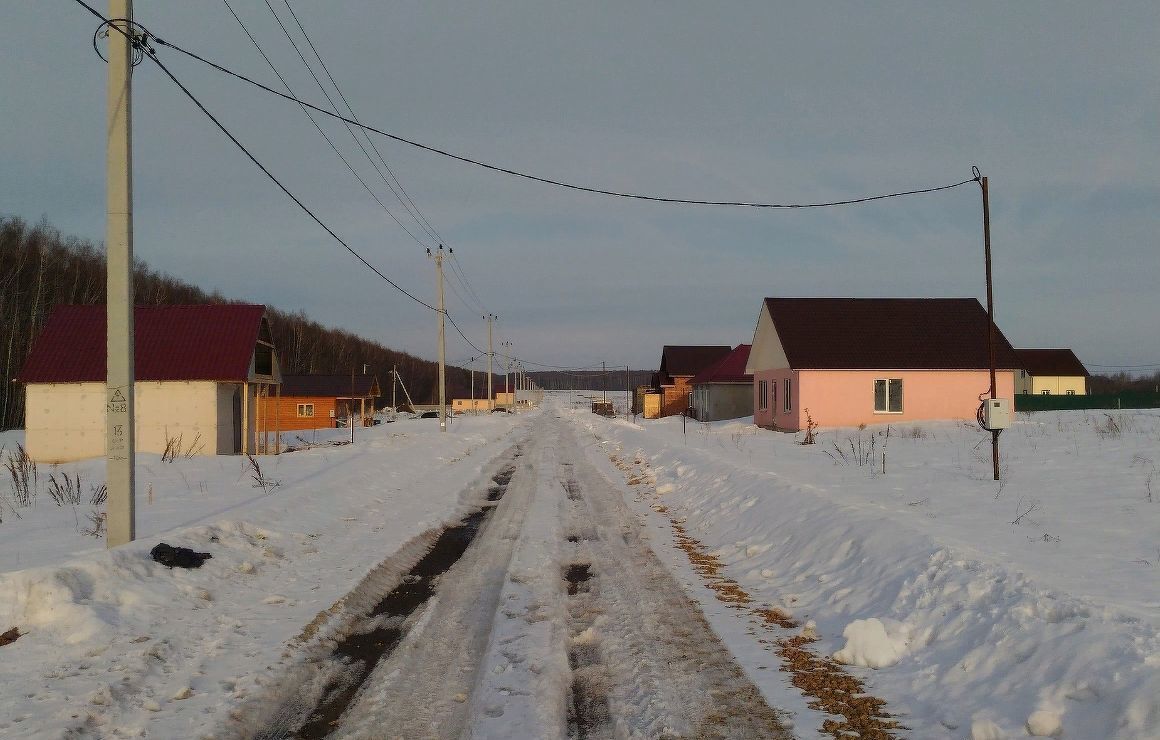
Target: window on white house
{"type": "Point", "coordinates": [305, 409]}
{"type": "Point", "coordinates": [785, 396]}
{"type": "Point", "coordinates": [1045, 393]}
{"type": "Point", "coordinates": [888, 396]}
{"type": "Point", "coordinates": [762, 394]}
{"type": "Point", "coordinates": [1071, 393]}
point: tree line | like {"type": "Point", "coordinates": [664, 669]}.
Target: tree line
{"type": "Point", "coordinates": [41, 268]}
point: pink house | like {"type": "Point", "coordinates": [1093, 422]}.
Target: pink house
{"type": "Point", "coordinates": [850, 361]}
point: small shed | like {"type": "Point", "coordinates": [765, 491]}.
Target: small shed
{"type": "Point", "coordinates": [1051, 372]}
{"type": "Point", "coordinates": [319, 401]}
{"type": "Point", "coordinates": [200, 372]}
{"type": "Point", "coordinates": [724, 390]}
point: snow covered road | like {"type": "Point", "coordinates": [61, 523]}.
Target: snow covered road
{"type": "Point", "coordinates": [557, 621]}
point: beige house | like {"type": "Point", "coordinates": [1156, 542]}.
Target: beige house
{"type": "Point", "coordinates": [1051, 372]}
{"type": "Point", "coordinates": [200, 372]}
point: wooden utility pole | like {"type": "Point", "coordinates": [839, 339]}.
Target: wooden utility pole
{"type": "Point", "coordinates": [490, 357]}
{"type": "Point", "coordinates": [438, 257]}
{"type": "Point", "coordinates": [990, 316]}
{"type": "Point", "coordinates": [121, 520]}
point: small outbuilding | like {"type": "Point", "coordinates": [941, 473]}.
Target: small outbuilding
{"type": "Point", "coordinates": [1051, 372]}
{"type": "Point", "coordinates": [319, 401]}
{"type": "Point", "coordinates": [200, 372]}
{"type": "Point", "coordinates": [724, 390]}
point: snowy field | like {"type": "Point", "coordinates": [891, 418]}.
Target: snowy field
{"type": "Point", "coordinates": [974, 608]}
{"type": "Point", "coordinates": [115, 645]}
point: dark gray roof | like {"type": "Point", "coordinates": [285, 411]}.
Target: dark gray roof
{"type": "Point", "coordinates": [887, 333]}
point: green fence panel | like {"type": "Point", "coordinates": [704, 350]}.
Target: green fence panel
{"type": "Point", "coordinates": [1125, 400]}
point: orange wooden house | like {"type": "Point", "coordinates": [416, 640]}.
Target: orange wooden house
{"type": "Point", "coordinates": [320, 401]}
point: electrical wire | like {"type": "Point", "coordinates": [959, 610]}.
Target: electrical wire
{"type": "Point", "coordinates": [417, 214]}
{"type": "Point", "coordinates": [329, 141]}
{"type": "Point", "coordinates": [137, 43]}
{"type": "Point", "coordinates": [550, 181]}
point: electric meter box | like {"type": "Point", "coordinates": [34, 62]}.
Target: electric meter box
{"type": "Point", "coordinates": [997, 413]}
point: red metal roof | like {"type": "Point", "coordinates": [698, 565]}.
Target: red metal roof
{"type": "Point", "coordinates": [210, 342]}
{"type": "Point", "coordinates": [887, 334]}
{"type": "Point", "coordinates": [1052, 362]}
{"type": "Point", "coordinates": [729, 369]}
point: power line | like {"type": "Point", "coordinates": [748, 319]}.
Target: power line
{"type": "Point", "coordinates": [138, 43]}
{"type": "Point", "coordinates": [334, 107]}
{"type": "Point", "coordinates": [414, 208]}
{"type": "Point", "coordinates": [561, 183]}
{"type": "Point", "coordinates": [319, 128]}
{"type": "Point", "coordinates": [1125, 367]}
{"type": "Point", "coordinates": [458, 269]}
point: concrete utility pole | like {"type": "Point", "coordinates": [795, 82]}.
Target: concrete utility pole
{"type": "Point", "coordinates": [121, 519]}
{"type": "Point", "coordinates": [394, 386]}
{"type": "Point", "coordinates": [438, 257]}
{"type": "Point", "coordinates": [490, 357]}
{"type": "Point", "coordinates": [471, 366]}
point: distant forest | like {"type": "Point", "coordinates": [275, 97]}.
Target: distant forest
{"type": "Point", "coordinates": [612, 379]}
{"type": "Point", "coordinates": [41, 268]}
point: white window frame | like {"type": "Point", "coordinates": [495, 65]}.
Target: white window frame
{"type": "Point", "coordinates": [305, 411]}
{"type": "Point", "coordinates": [1045, 393]}
{"type": "Point", "coordinates": [762, 395]}
{"type": "Point", "coordinates": [1069, 392]}
{"type": "Point", "coordinates": [786, 395]}
{"type": "Point", "coordinates": [902, 393]}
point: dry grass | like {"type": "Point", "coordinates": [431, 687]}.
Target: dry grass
{"type": "Point", "coordinates": [832, 690]}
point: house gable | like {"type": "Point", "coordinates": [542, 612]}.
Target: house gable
{"type": "Point", "coordinates": [767, 352]}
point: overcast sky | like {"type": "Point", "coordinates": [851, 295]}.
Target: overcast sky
{"type": "Point", "coordinates": [1058, 103]}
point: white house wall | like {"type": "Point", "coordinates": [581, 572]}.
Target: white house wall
{"type": "Point", "coordinates": [767, 352]}
{"type": "Point", "coordinates": [66, 421]}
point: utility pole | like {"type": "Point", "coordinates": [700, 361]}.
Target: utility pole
{"type": "Point", "coordinates": [604, 380]}
{"type": "Point", "coordinates": [121, 516]}
{"type": "Point", "coordinates": [438, 257]}
{"type": "Point", "coordinates": [490, 357]}
{"type": "Point", "coordinates": [350, 409]}
{"type": "Point", "coordinates": [394, 385]}
{"type": "Point", "coordinates": [627, 393]}
{"type": "Point", "coordinates": [990, 316]}
{"type": "Point", "coordinates": [471, 365]}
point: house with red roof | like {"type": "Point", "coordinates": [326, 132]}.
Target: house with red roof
{"type": "Point", "coordinates": [1051, 372]}
{"type": "Point", "coordinates": [200, 372]}
{"type": "Point", "coordinates": [851, 361]}
{"type": "Point", "coordinates": [679, 363]}
{"type": "Point", "coordinates": [723, 390]}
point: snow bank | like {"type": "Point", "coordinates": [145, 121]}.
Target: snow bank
{"type": "Point", "coordinates": [970, 616]}
{"type": "Point", "coordinates": [869, 645]}
{"type": "Point", "coordinates": [118, 645]}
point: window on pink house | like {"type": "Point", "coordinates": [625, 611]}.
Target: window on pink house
{"type": "Point", "coordinates": [762, 394]}
{"type": "Point", "coordinates": [888, 396]}
{"type": "Point", "coordinates": [785, 396]}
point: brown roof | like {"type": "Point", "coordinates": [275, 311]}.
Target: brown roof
{"type": "Point", "coordinates": [887, 333]}
{"type": "Point", "coordinates": [729, 369]}
{"type": "Point", "coordinates": [330, 386]}
{"type": "Point", "coordinates": [689, 360]}
{"type": "Point", "coordinates": [209, 342]}
{"type": "Point", "coordinates": [1052, 362]}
